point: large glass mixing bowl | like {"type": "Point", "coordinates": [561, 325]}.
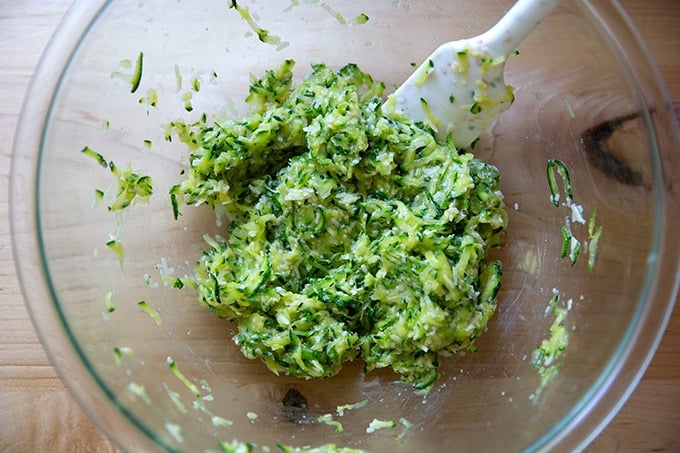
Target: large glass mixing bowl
{"type": "Point", "coordinates": [587, 94]}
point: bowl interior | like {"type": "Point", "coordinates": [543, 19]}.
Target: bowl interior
{"type": "Point", "coordinates": [576, 101]}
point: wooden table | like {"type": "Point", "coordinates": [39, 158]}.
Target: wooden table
{"type": "Point", "coordinates": [36, 411]}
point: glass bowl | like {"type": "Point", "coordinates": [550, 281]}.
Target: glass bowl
{"type": "Point", "coordinates": [169, 377]}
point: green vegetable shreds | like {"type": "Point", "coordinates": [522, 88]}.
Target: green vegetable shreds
{"type": "Point", "coordinates": [137, 75]}
{"type": "Point", "coordinates": [353, 234]}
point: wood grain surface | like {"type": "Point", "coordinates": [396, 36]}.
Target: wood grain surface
{"type": "Point", "coordinates": [38, 414]}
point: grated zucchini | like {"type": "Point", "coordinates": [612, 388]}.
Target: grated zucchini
{"type": "Point", "coordinates": [131, 185]}
{"type": "Point", "coordinates": [328, 420]}
{"type": "Point", "coordinates": [152, 312]}
{"type": "Point", "coordinates": [137, 75]}
{"type": "Point", "coordinates": [326, 448]}
{"type": "Point", "coordinates": [558, 166]}
{"type": "Point", "coordinates": [376, 425]}
{"type": "Point", "coordinates": [353, 233]}
{"type": "Point", "coordinates": [236, 447]}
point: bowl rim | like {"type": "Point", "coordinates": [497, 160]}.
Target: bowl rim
{"type": "Point", "coordinates": [575, 430]}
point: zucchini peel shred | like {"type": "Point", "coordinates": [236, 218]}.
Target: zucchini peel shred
{"type": "Point", "coordinates": [352, 233]}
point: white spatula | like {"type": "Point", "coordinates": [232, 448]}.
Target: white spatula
{"type": "Point", "coordinates": [459, 89]}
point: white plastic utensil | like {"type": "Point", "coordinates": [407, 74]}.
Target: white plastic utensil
{"type": "Point", "coordinates": [460, 89]}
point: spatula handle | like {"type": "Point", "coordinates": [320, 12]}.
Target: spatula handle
{"type": "Point", "coordinates": [504, 37]}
